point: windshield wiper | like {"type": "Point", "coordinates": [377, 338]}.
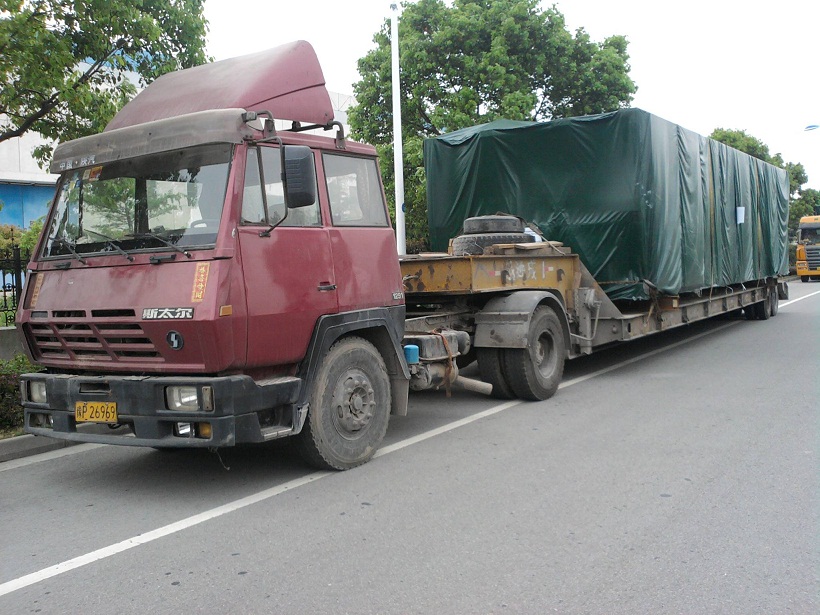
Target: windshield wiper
{"type": "Point", "coordinates": [70, 247]}
{"type": "Point", "coordinates": [110, 241]}
{"type": "Point", "coordinates": [162, 240]}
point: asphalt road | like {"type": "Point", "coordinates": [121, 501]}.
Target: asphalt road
{"type": "Point", "coordinates": [677, 474]}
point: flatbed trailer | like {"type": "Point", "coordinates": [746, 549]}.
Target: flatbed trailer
{"type": "Point", "coordinates": [495, 296]}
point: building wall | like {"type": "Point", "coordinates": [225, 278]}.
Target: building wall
{"type": "Point", "coordinates": [25, 189]}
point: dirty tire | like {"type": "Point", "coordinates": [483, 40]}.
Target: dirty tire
{"type": "Point", "coordinates": [349, 407]}
{"type": "Point", "coordinates": [463, 360]}
{"type": "Point", "coordinates": [466, 245]}
{"type": "Point", "coordinates": [774, 303]}
{"type": "Point", "coordinates": [762, 309]}
{"type": "Point", "coordinates": [535, 372]}
{"type": "Point", "coordinates": [492, 372]}
{"type": "Point", "coordinates": [493, 224]}
{"type": "Point", "coordinates": [804, 278]}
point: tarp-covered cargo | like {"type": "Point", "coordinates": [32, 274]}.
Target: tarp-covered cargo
{"type": "Point", "coordinates": [640, 199]}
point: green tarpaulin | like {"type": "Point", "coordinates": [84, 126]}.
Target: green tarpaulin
{"type": "Point", "coordinates": [640, 199]}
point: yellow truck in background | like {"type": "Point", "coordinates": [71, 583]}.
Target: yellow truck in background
{"type": "Point", "coordinates": [808, 248]}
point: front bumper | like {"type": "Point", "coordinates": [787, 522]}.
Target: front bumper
{"type": "Point", "coordinates": [243, 410]}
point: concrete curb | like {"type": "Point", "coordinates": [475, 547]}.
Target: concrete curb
{"type": "Point", "coordinates": [28, 444]}
{"type": "Point", "coordinates": [24, 446]}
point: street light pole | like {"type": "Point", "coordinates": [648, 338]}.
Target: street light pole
{"type": "Point", "coordinates": [398, 154]}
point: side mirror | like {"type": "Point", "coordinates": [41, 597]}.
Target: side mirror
{"type": "Point", "coordinates": [299, 176]}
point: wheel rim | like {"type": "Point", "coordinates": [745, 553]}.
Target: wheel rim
{"type": "Point", "coordinates": [544, 354]}
{"type": "Point", "coordinates": [353, 403]}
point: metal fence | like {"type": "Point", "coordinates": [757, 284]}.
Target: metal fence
{"type": "Point", "coordinates": [12, 269]}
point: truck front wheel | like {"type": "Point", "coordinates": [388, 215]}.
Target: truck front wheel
{"type": "Point", "coordinates": [535, 372]}
{"type": "Point", "coordinates": [349, 407]}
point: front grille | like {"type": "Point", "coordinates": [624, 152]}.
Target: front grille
{"type": "Point", "coordinates": [813, 256]}
{"type": "Point", "coordinates": [71, 336]}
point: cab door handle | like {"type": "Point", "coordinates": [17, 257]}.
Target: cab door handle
{"type": "Point", "coordinates": [326, 286]}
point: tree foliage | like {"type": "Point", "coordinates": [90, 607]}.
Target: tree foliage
{"type": "Point", "coordinates": [741, 140]}
{"type": "Point", "coordinates": [29, 236]}
{"type": "Point", "coordinates": [67, 66]}
{"type": "Point", "coordinates": [807, 204]}
{"type": "Point", "coordinates": [798, 206]}
{"type": "Point", "coordinates": [473, 61]}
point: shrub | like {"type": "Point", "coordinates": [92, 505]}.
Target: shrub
{"type": "Point", "coordinates": [11, 412]}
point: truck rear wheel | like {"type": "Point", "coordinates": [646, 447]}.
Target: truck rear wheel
{"type": "Point", "coordinates": [349, 407]}
{"type": "Point", "coordinates": [535, 372]}
{"type": "Point", "coordinates": [492, 371]}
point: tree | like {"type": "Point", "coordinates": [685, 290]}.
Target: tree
{"type": "Point", "coordinates": [753, 146]}
{"type": "Point", "coordinates": [741, 140]}
{"type": "Point", "coordinates": [807, 204]}
{"type": "Point", "coordinates": [66, 67]}
{"type": "Point", "coordinates": [29, 236]}
{"type": "Point", "coordinates": [811, 198]}
{"type": "Point", "coordinates": [474, 61]}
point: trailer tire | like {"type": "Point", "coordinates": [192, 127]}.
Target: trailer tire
{"type": "Point", "coordinates": [349, 407]}
{"type": "Point", "coordinates": [762, 309]}
{"type": "Point", "coordinates": [535, 372]}
{"type": "Point", "coordinates": [774, 303]}
{"type": "Point", "coordinates": [472, 245]}
{"type": "Point", "coordinates": [491, 368]}
{"type": "Point", "coordinates": [497, 223]}
{"type": "Point", "coordinates": [804, 278]}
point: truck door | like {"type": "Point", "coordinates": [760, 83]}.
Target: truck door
{"type": "Point", "coordinates": [362, 240]}
{"type": "Point", "coordinates": [288, 272]}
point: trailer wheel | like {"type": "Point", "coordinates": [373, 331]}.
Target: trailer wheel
{"type": "Point", "coordinates": [762, 309]}
{"type": "Point", "coordinates": [535, 372]}
{"type": "Point", "coordinates": [804, 278]}
{"type": "Point", "coordinates": [491, 369]}
{"type": "Point", "coordinates": [466, 245]}
{"type": "Point", "coordinates": [349, 407]}
{"type": "Point", "coordinates": [774, 303]}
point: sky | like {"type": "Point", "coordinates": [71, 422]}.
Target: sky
{"type": "Point", "coordinates": [731, 64]}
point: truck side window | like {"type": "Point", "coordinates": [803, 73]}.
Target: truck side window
{"type": "Point", "coordinates": [354, 190]}
{"type": "Point", "coordinates": [253, 210]}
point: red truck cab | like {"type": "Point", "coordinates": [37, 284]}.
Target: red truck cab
{"type": "Point", "coordinates": [198, 267]}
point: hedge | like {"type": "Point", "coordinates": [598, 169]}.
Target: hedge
{"type": "Point", "coordinates": [11, 412]}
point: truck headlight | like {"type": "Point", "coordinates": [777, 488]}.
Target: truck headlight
{"type": "Point", "coordinates": [182, 398]}
{"type": "Point", "coordinates": [37, 391]}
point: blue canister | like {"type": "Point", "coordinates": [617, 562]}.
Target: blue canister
{"type": "Point", "coordinates": [411, 354]}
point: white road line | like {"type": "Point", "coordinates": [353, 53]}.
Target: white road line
{"type": "Point", "coordinates": [817, 292]}
{"type": "Point", "coordinates": [63, 452]}
{"type": "Point", "coordinates": [178, 526]}
{"type": "Point", "coordinates": [141, 539]}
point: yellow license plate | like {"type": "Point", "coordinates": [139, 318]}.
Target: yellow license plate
{"type": "Point", "coordinates": [95, 412]}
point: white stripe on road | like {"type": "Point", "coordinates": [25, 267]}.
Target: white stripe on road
{"type": "Point", "coordinates": [817, 292]}
{"type": "Point", "coordinates": [63, 452]}
{"type": "Point", "coordinates": [141, 539]}
{"type": "Point", "coordinates": [178, 526]}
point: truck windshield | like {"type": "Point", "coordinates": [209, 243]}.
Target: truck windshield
{"type": "Point", "coordinates": [165, 201]}
{"type": "Point", "coordinates": [809, 236]}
